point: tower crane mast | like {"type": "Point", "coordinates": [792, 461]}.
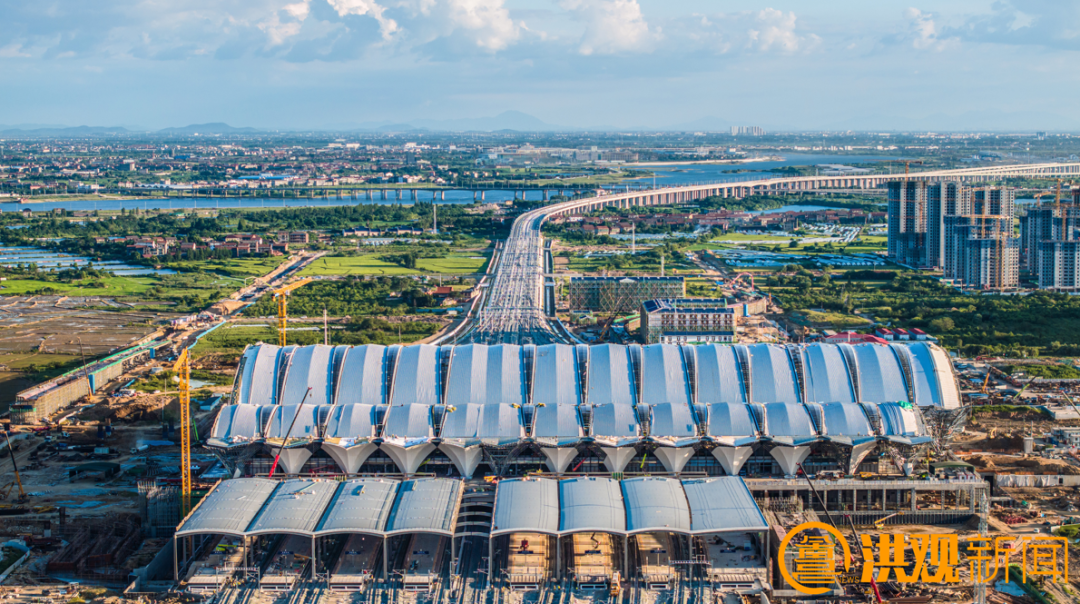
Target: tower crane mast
{"type": "Point", "coordinates": [282, 296]}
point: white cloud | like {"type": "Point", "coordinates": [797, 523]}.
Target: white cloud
{"type": "Point", "coordinates": [612, 26]}
{"type": "Point", "coordinates": [387, 26]}
{"type": "Point", "coordinates": [924, 31]}
{"type": "Point", "coordinates": [776, 31]}
{"type": "Point", "coordinates": [279, 30]}
{"type": "Point", "coordinates": [488, 20]}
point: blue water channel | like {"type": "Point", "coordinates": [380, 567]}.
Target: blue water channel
{"type": "Point", "coordinates": [49, 260]}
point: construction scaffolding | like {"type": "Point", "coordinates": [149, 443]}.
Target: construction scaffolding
{"type": "Point", "coordinates": [160, 508]}
{"type": "Point", "coordinates": [609, 294]}
{"type": "Point", "coordinates": [97, 547]}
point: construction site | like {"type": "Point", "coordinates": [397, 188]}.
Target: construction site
{"type": "Point", "coordinates": [490, 474]}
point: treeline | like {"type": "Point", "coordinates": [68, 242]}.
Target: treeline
{"type": "Point", "coordinates": [1038, 324]}
{"type": "Point", "coordinates": [352, 297]}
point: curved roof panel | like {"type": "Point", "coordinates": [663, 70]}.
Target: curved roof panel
{"type": "Point", "coordinates": [655, 504]}
{"type": "Point", "coordinates": [501, 423]}
{"type": "Point", "coordinates": [789, 419]}
{"type": "Point", "coordinates": [719, 378]}
{"type": "Point", "coordinates": [468, 380]}
{"type": "Point", "coordinates": [772, 377]}
{"type": "Point", "coordinates": [505, 378]}
{"type": "Point", "coordinates": [229, 507]}
{"type": "Point", "coordinates": [557, 421]}
{"type": "Point", "coordinates": [722, 504]}
{"type": "Point", "coordinates": [295, 507]}
{"type": "Point", "coordinates": [426, 505]}
{"type": "Point", "coordinates": [308, 367]}
{"type": "Point", "coordinates": [462, 422]}
{"type": "Point", "coordinates": [526, 505]}
{"type": "Point", "coordinates": [483, 422]}
{"type": "Point", "coordinates": [672, 420]}
{"type": "Point", "coordinates": [360, 505]}
{"type": "Point", "coordinates": [360, 376]}
{"type": "Point", "coordinates": [943, 367]}
{"type": "Point", "coordinates": [932, 374]}
{"type": "Point", "coordinates": [611, 375]}
{"type": "Point", "coordinates": [351, 421]}
{"type": "Point", "coordinates": [305, 426]}
{"type": "Point", "coordinates": [258, 383]}
{"type": "Point", "coordinates": [591, 504]}
{"type": "Point", "coordinates": [409, 421]}
{"type": "Point", "coordinates": [663, 375]}
{"type": "Point", "coordinates": [846, 419]}
{"type": "Point", "coordinates": [881, 378]}
{"type": "Point", "coordinates": [237, 423]}
{"type": "Point", "coordinates": [731, 420]}
{"type": "Point", "coordinates": [615, 421]}
{"type": "Point", "coordinates": [826, 373]}
{"type": "Point", "coordinates": [555, 378]}
{"type": "Point", "coordinates": [898, 420]}
{"type": "Point", "coordinates": [416, 377]}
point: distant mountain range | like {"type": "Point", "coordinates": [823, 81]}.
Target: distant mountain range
{"type": "Point", "coordinates": [517, 121]}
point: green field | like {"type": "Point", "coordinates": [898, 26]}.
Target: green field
{"type": "Point", "coordinates": [184, 291]}
{"type": "Point", "coordinates": [232, 340]}
{"type": "Point", "coordinates": [373, 264]}
{"type": "Point", "coordinates": [234, 267]}
{"type": "Point", "coordinates": [834, 319]}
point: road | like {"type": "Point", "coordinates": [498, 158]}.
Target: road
{"type": "Point", "coordinates": [512, 308]}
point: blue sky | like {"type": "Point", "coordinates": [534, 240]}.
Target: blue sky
{"type": "Point", "coordinates": [805, 65]}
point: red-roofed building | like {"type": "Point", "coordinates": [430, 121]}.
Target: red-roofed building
{"type": "Point", "coordinates": [850, 337]}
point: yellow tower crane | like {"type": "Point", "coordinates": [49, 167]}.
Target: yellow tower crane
{"type": "Point", "coordinates": [282, 296]}
{"type": "Point", "coordinates": [183, 377]}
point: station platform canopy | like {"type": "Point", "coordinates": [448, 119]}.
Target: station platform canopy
{"type": "Point", "coordinates": [635, 505]}
{"type": "Point", "coordinates": [246, 507]}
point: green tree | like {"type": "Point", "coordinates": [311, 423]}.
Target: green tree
{"type": "Point", "coordinates": [942, 325]}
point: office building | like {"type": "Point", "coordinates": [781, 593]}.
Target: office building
{"type": "Point", "coordinates": [687, 321]}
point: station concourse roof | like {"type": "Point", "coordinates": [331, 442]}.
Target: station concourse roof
{"type": "Point", "coordinates": [360, 505]}
{"type": "Point", "coordinates": [426, 505]}
{"type": "Point", "coordinates": [294, 507]}
{"type": "Point", "coordinates": [229, 507]}
{"type": "Point", "coordinates": [526, 505]}
{"type": "Point", "coordinates": [722, 504]}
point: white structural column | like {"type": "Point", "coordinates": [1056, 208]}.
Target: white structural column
{"type": "Point", "coordinates": [732, 458]}
{"type": "Point", "coordinates": [789, 458]}
{"type": "Point", "coordinates": [674, 458]}
{"type": "Point", "coordinates": [558, 459]}
{"type": "Point", "coordinates": [617, 457]}
{"type": "Point", "coordinates": [349, 459]}
{"type": "Point", "coordinates": [465, 458]}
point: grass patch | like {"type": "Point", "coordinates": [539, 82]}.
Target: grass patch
{"type": "Point", "coordinates": [1050, 372]}
{"type": "Point", "coordinates": [368, 264]}
{"type": "Point", "coordinates": [374, 264]}
{"type": "Point", "coordinates": [233, 267]}
{"type": "Point", "coordinates": [835, 319]}
{"type": "Point", "coordinates": [362, 331]}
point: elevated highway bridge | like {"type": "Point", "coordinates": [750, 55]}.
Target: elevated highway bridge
{"type": "Point", "coordinates": [512, 309]}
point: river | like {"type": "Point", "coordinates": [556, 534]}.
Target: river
{"type": "Point", "coordinates": [666, 176]}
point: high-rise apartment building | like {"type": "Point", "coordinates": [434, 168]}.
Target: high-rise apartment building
{"type": "Point", "coordinates": [983, 252]}
{"type": "Point", "coordinates": [916, 217]}
{"type": "Point", "coordinates": [966, 232]}
{"type": "Point", "coordinates": [1050, 244]}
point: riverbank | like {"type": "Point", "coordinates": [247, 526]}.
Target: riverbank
{"type": "Point", "coordinates": [747, 160]}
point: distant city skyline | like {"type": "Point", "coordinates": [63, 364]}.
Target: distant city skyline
{"type": "Point", "coordinates": [992, 65]}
